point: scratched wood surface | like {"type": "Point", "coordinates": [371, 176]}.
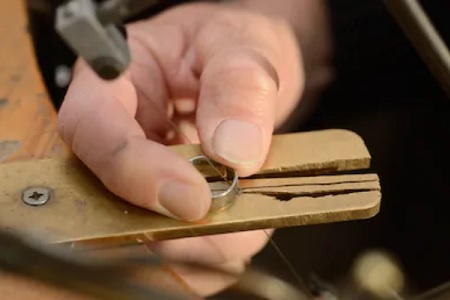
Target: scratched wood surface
{"type": "Point", "coordinates": [28, 131]}
{"type": "Point", "coordinates": [27, 118]}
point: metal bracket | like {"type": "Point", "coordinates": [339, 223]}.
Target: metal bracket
{"type": "Point", "coordinates": [103, 47]}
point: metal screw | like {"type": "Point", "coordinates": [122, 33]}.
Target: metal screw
{"type": "Point", "coordinates": [36, 196]}
{"type": "Point", "coordinates": [63, 75]}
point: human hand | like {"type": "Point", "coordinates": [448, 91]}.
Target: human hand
{"type": "Point", "coordinates": [226, 78]}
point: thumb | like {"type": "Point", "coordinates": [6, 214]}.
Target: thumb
{"type": "Point", "coordinates": [235, 114]}
{"type": "Point", "coordinates": [250, 76]}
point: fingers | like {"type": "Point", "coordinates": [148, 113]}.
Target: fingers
{"type": "Point", "coordinates": [214, 250]}
{"type": "Point", "coordinates": [235, 115]}
{"type": "Point", "coordinates": [207, 283]}
{"type": "Point", "coordinates": [229, 252]}
{"type": "Point", "coordinates": [97, 120]}
{"type": "Point", "coordinates": [242, 88]}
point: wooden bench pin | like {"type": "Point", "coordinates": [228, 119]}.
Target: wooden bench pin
{"type": "Point", "coordinates": [302, 182]}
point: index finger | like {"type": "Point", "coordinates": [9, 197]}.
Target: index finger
{"type": "Point", "coordinates": [97, 121]}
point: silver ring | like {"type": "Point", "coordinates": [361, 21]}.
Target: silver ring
{"type": "Point", "coordinates": [223, 197]}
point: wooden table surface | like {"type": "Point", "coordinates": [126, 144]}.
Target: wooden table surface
{"type": "Point", "coordinates": [28, 131]}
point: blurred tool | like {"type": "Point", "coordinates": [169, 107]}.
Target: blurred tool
{"type": "Point", "coordinates": [423, 35]}
{"type": "Point", "coordinates": [112, 279]}
{"type": "Point", "coordinates": [93, 31]}
{"type": "Point", "coordinates": [109, 281]}
{"type": "Point", "coordinates": [378, 274]}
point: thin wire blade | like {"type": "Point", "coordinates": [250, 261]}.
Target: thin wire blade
{"type": "Point", "coordinates": [289, 265]}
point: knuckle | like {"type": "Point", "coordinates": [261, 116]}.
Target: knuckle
{"type": "Point", "coordinates": [246, 90]}
{"type": "Point", "coordinates": [240, 26]}
{"type": "Point", "coordinates": [238, 19]}
{"type": "Point", "coordinates": [244, 74]}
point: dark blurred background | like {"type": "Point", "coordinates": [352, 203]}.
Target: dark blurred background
{"type": "Point", "coordinates": [383, 92]}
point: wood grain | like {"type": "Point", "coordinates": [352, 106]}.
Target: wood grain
{"type": "Point", "coordinates": [28, 131]}
{"type": "Point", "coordinates": [312, 152]}
{"type": "Point", "coordinates": [82, 210]}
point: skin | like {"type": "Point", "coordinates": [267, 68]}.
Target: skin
{"type": "Point", "coordinates": [227, 75]}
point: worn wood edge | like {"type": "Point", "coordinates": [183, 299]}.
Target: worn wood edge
{"type": "Point", "coordinates": [369, 211]}
{"type": "Point", "coordinates": [312, 180]}
{"type": "Point", "coordinates": [361, 161]}
{"type": "Point", "coordinates": [283, 158]}
{"type": "Point", "coordinates": [291, 162]}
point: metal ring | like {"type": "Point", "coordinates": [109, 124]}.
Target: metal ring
{"type": "Point", "coordinates": [223, 198]}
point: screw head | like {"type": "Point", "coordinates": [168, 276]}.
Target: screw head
{"type": "Point", "coordinates": [36, 196]}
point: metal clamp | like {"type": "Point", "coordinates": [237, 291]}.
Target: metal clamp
{"type": "Point", "coordinates": [221, 196]}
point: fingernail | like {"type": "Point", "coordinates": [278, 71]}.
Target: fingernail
{"type": "Point", "coordinates": [238, 142]}
{"type": "Point", "coordinates": [181, 201]}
